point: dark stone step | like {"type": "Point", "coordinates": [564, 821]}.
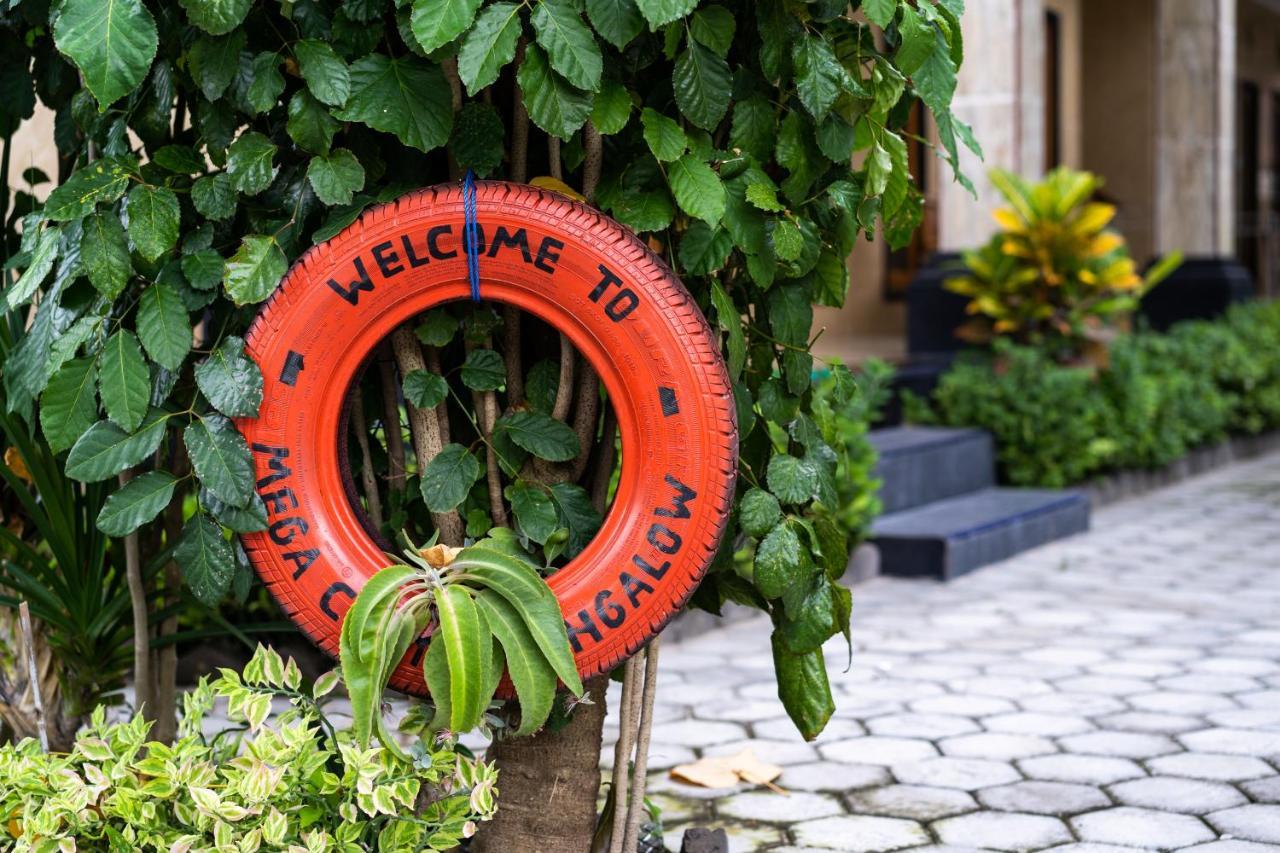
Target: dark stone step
{"type": "Point", "coordinates": [920, 465]}
{"type": "Point", "coordinates": [954, 536]}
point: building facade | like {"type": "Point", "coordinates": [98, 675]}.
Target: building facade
{"type": "Point", "coordinates": [1176, 103]}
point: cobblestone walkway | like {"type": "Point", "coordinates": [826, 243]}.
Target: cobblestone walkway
{"type": "Point", "coordinates": [1114, 691]}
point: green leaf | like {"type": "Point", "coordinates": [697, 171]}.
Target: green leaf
{"type": "Point", "coordinates": [136, 503]}
{"type": "Point", "coordinates": [754, 128]}
{"type": "Point", "coordinates": [206, 558]}
{"type": "Point", "coordinates": [180, 159]}
{"type": "Point", "coordinates": [42, 258]}
{"type": "Point", "coordinates": [249, 163]}
{"type": "Point", "coordinates": [880, 12]}
{"type": "Point", "coordinates": [435, 23]}
{"type": "Point", "coordinates": [644, 210]}
{"type": "Point", "coordinates": [917, 41]}
{"type": "Point", "coordinates": [617, 21]}
{"type": "Point", "coordinates": [424, 389]}
{"type": "Point", "coordinates": [104, 253]}
{"type": "Point", "coordinates": [324, 72]}
{"type": "Point", "coordinates": [484, 370]}
{"type": "Point", "coordinates": [780, 562]}
{"type": "Point", "coordinates": [163, 326]}
{"type": "Point", "coordinates": [554, 105]}
{"type": "Point", "coordinates": [541, 435]}
{"type": "Point", "coordinates": [792, 480]}
{"type": "Point", "coordinates": [69, 404]}
{"type": "Point", "coordinates": [519, 583]}
{"type": "Point", "coordinates": [663, 135]}
{"type": "Point", "coordinates": [803, 688]}
{"type": "Point", "coordinates": [697, 189]}
{"type": "Point", "coordinates": [362, 627]}
{"type": "Point", "coordinates": [435, 670]}
{"type": "Point", "coordinates": [935, 79]}
{"type": "Point", "coordinates": [713, 26]}
{"type": "Point", "coordinates": [267, 83]}
{"type": "Point", "coordinates": [467, 643]}
{"type": "Point", "coordinates": [662, 12]}
{"type": "Point", "coordinates": [788, 243]}
{"type": "Point", "coordinates": [531, 673]}
{"type": "Point", "coordinates": [255, 270]}
{"type": "Point", "coordinates": [214, 61]}
{"type": "Point", "coordinates": [310, 124]}
{"type": "Point", "coordinates": [203, 269]}
{"type": "Point", "coordinates": [216, 17]}
{"type": "Point", "coordinates": [407, 97]}
{"type": "Point", "coordinates": [214, 196]}
{"type": "Point", "coordinates": [477, 142]}
{"type": "Point", "coordinates": [336, 177]}
{"type": "Point", "coordinates": [112, 42]}
{"type": "Point", "coordinates": [702, 85]}
{"type": "Point", "coordinates": [437, 329]}
{"type": "Point", "coordinates": [534, 510]}
{"type": "Point", "coordinates": [704, 250]}
{"type": "Point", "coordinates": [571, 47]}
{"type": "Point", "coordinates": [764, 196]}
{"type": "Point", "coordinates": [153, 219]}
{"type": "Point", "coordinates": [105, 450]}
{"type": "Point", "coordinates": [230, 381]}
{"type": "Point", "coordinates": [729, 318]}
{"type": "Point", "coordinates": [489, 46]}
{"type": "Point", "coordinates": [577, 513]}
{"type": "Point", "coordinates": [245, 519]}
{"type": "Point", "coordinates": [221, 459]}
{"type": "Point", "coordinates": [124, 381]}
{"type": "Point", "coordinates": [612, 108]}
{"type": "Point", "coordinates": [448, 477]}
{"type": "Point", "coordinates": [100, 182]}
{"type": "Point", "coordinates": [758, 512]}
{"type": "Point", "coordinates": [819, 75]}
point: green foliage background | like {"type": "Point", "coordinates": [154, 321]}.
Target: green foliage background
{"type": "Point", "coordinates": [204, 144]}
{"type": "Point", "coordinates": [1160, 396]}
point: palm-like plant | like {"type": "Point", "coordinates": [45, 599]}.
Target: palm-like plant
{"type": "Point", "coordinates": [1056, 275]}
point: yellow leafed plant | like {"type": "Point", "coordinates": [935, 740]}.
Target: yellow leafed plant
{"type": "Point", "coordinates": [1056, 275]}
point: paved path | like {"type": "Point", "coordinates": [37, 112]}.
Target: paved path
{"type": "Point", "coordinates": [1114, 691]}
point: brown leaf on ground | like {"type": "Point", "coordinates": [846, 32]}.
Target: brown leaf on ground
{"type": "Point", "coordinates": [440, 556]}
{"type": "Point", "coordinates": [728, 770]}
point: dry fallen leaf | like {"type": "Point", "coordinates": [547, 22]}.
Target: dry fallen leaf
{"type": "Point", "coordinates": [728, 770]}
{"type": "Point", "coordinates": [557, 186]}
{"type": "Point", "coordinates": [440, 556]}
{"type": "Point", "coordinates": [16, 464]}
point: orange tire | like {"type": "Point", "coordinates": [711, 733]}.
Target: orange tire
{"type": "Point", "coordinates": [586, 276]}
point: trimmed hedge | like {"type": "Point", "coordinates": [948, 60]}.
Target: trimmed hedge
{"type": "Point", "coordinates": [1160, 396]}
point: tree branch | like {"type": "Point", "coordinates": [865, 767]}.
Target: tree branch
{"type": "Point", "coordinates": [425, 428]}
{"type": "Point", "coordinates": [391, 419]}
{"type": "Point", "coordinates": [585, 418]}
{"type": "Point", "coordinates": [142, 683]}
{"type": "Point", "coordinates": [607, 451]}
{"type": "Point", "coordinates": [519, 124]}
{"type": "Point", "coordinates": [553, 157]}
{"type": "Point", "coordinates": [368, 481]}
{"type": "Point", "coordinates": [564, 390]}
{"type": "Point", "coordinates": [593, 159]}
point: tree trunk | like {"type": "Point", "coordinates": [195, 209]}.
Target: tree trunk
{"type": "Point", "coordinates": [548, 785]}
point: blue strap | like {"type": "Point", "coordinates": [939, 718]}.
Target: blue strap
{"type": "Point", "coordinates": [471, 231]}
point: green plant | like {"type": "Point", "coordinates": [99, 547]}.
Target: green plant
{"type": "Point", "coordinates": [1055, 276]}
{"type": "Point", "coordinates": [1158, 397]}
{"type": "Point", "coordinates": [491, 610]}
{"type": "Point", "coordinates": [294, 782]}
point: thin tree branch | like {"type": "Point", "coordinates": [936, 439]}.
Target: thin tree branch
{"type": "Point", "coordinates": [585, 418]}
{"type": "Point", "coordinates": [142, 684]}
{"type": "Point", "coordinates": [165, 696]}
{"type": "Point", "coordinates": [425, 428]}
{"type": "Point", "coordinates": [450, 69]}
{"type": "Point", "coordinates": [622, 754]}
{"type": "Point", "coordinates": [391, 420]}
{"type": "Point", "coordinates": [442, 408]}
{"type": "Point", "coordinates": [486, 404]}
{"type": "Point", "coordinates": [553, 157]}
{"type": "Point", "coordinates": [593, 159]}
{"type": "Point", "coordinates": [519, 124]}
{"type": "Point", "coordinates": [564, 390]}
{"type": "Point", "coordinates": [607, 452]}
{"type": "Point", "coordinates": [368, 480]}
{"type": "Point", "coordinates": [28, 631]}
{"type": "Point", "coordinates": [511, 355]}
{"type": "Point", "coordinates": [635, 804]}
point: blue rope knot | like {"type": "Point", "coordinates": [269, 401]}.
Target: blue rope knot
{"type": "Point", "coordinates": [471, 233]}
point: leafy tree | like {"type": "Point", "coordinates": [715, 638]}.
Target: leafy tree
{"type": "Point", "coordinates": [205, 144]}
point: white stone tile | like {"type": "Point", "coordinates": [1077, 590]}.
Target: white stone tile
{"type": "Point", "coordinates": [965, 774]}
{"type": "Point", "coordinates": [1253, 822]}
{"type": "Point", "coordinates": [860, 833]}
{"type": "Point", "coordinates": [1141, 828]}
{"type": "Point", "coordinates": [772, 807]}
{"type": "Point", "coordinates": [874, 749]}
{"type": "Point", "coordinates": [1265, 744]}
{"type": "Point", "coordinates": [1050, 798]}
{"type": "Point", "coordinates": [1003, 830]}
{"type": "Point", "coordinates": [914, 802]}
{"type": "Point", "coordinates": [784, 752]}
{"type": "Point", "coordinates": [928, 726]}
{"type": "Point", "coordinates": [1207, 765]}
{"type": "Point", "coordinates": [832, 776]}
{"type": "Point", "coordinates": [1176, 794]}
{"type": "Point", "coordinates": [1044, 725]}
{"type": "Point", "coordinates": [1119, 744]}
{"type": "Point", "coordinates": [997, 746]}
{"type": "Point", "coordinates": [963, 705]}
{"type": "Point", "coordinates": [1085, 769]}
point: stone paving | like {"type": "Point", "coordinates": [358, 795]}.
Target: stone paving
{"type": "Point", "coordinates": [1113, 691]}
